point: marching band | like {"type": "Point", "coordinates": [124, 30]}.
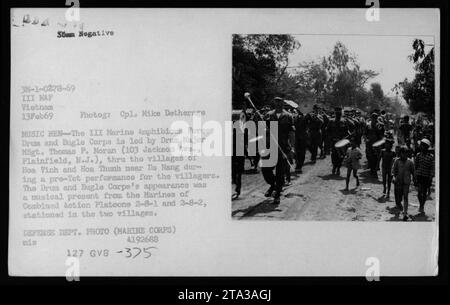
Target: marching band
{"type": "Point", "coordinates": [340, 133]}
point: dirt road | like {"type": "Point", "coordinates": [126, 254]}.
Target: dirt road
{"type": "Point", "coordinates": [317, 195]}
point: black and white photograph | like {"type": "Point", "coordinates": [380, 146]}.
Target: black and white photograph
{"type": "Point", "coordinates": [169, 143]}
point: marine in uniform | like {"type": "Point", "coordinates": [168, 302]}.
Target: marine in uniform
{"type": "Point", "coordinates": [276, 180]}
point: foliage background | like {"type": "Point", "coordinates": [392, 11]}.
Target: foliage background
{"type": "Point", "coordinates": [261, 67]}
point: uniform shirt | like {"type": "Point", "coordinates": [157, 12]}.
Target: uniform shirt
{"type": "Point", "coordinates": [326, 120]}
{"type": "Point", "coordinates": [337, 129]}
{"type": "Point", "coordinates": [300, 126]}
{"type": "Point", "coordinates": [352, 158]}
{"type": "Point", "coordinates": [374, 133]}
{"type": "Point", "coordinates": [418, 132]}
{"type": "Point", "coordinates": [405, 129]}
{"type": "Point", "coordinates": [284, 120]}
{"type": "Point", "coordinates": [351, 124]}
{"type": "Point", "coordinates": [402, 170]}
{"type": "Point", "coordinates": [315, 122]}
{"type": "Point", "coordinates": [424, 163]}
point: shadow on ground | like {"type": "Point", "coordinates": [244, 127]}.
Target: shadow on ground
{"type": "Point", "coordinates": [366, 177]}
{"type": "Point", "coordinates": [349, 192]}
{"type": "Point", "coordinates": [265, 206]}
{"type": "Point", "coordinates": [394, 211]}
{"type": "Point", "coordinates": [421, 217]}
{"type": "Point", "coordinates": [331, 177]}
{"type": "Point", "coordinates": [251, 171]}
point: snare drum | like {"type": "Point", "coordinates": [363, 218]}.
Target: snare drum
{"type": "Point", "coordinates": [342, 143]}
{"type": "Point", "coordinates": [379, 144]}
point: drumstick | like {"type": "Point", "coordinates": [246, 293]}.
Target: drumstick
{"type": "Point", "coordinates": [247, 96]}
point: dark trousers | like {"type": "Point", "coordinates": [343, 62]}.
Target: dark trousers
{"type": "Point", "coordinates": [336, 157]}
{"type": "Point", "coordinates": [326, 144]}
{"type": "Point", "coordinates": [237, 168]}
{"type": "Point", "coordinates": [401, 192]}
{"type": "Point", "coordinates": [358, 137]}
{"type": "Point", "coordinates": [387, 180]}
{"type": "Point", "coordinates": [300, 151]}
{"type": "Point", "coordinates": [423, 184]}
{"type": "Point", "coordinates": [276, 180]}
{"type": "Point", "coordinates": [372, 158]}
{"type": "Point", "coordinates": [322, 144]}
